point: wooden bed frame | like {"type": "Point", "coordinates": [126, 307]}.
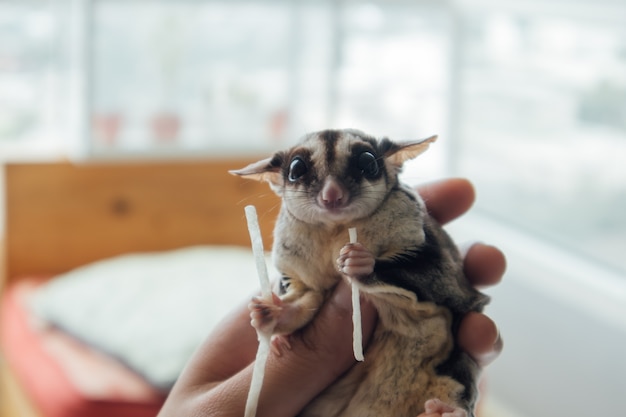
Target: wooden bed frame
{"type": "Point", "coordinates": [61, 215]}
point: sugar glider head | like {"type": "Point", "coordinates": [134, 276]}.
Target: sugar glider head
{"type": "Point", "coordinates": [335, 176]}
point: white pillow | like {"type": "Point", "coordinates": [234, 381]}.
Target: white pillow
{"type": "Point", "coordinates": [150, 311]}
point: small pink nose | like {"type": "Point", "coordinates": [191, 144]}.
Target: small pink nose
{"type": "Point", "coordinates": [332, 195]}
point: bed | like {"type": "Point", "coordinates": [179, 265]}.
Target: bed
{"type": "Point", "coordinates": [72, 226]}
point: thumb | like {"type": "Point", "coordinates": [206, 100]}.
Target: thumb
{"type": "Point", "coordinates": [320, 353]}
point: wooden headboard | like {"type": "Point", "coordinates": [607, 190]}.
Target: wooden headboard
{"type": "Point", "coordinates": [62, 215]}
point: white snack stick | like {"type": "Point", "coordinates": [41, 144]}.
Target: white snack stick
{"type": "Point", "coordinates": [264, 338]}
{"type": "Point", "coordinates": [352, 233]}
{"type": "Point", "coordinates": [257, 250]}
{"type": "Point", "coordinates": [357, 335]}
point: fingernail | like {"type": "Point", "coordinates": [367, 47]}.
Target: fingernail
{"type": "Point", "coordinates": [489, 356]}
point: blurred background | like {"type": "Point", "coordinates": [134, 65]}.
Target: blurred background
{"type": "Point", "coordinates": [528, 98]}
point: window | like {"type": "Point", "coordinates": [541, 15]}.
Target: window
{"type": "Point", "coordinates": [392, 73]}
{"type": "Point", "coordinates": [189, 74]}
{"type": "Point", "coordinates": [170, 77]}
{"type": "Point", "coordinates": [34, 75]}
{"type": "Point", "coordinates": [543, 123]}
{"type": "Point", "coordinates": [211, 74]}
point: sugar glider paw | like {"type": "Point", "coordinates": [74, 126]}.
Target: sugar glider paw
{"type": "Point", "coordinates": [264, 313]}
{"type": "Point", "coordinates": [437, 408]}
{"type": "Point", "coordinates": [355, 261]}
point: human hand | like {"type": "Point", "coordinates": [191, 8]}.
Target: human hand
{"type": "Point", "coordinates": [217, 378]}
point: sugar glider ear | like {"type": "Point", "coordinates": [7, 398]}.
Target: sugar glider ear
{"type": "Point", "coordinates": [398, 153]}
{"type": "Point", "coordinates": [264, 170]}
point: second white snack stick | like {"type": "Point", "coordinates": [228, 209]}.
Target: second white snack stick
{"type": "Point", "coordinates": [264, 338]}
{"type": "Point", "coordinates": [357, 335]}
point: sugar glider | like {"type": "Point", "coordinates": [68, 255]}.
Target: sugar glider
{"type": "Point", "coordinates": [404, 263]}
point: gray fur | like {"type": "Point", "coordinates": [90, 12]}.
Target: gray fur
{"type": "Point", "coordinates": [417, 283]}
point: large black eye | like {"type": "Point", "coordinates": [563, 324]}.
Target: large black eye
{"type": "Point", "coordinates": [368, 164]}
{"type": "Point", "coordinates": [297, 169]}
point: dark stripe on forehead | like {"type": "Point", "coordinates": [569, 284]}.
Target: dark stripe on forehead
{"type": "Point", "coordinates": [369, 139]}
{"type": "Point", "coordinates": [329, 139]}
{"type": "Point", "coordinates": [366, 139]}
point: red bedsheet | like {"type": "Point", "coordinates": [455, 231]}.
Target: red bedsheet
{"type": "Point", "coordinates": [61, 376]}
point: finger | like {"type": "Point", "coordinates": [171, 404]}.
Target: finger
{"type": "Point", "coordinates": [479, 336]}
{"type": "Point", "coordinates": [484, 265]}
{"type": "Point", "coordinates": [447, 199]}
{"type": "Point", "coordinates": [318, 357]}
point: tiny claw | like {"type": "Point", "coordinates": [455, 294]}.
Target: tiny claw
{"type": "Point", "coordinates": [437, 407]}
{"type": "Point", "coordinates": [280, 343]}
{"type": "Point", "coordinates": [355, 260]}
{"type": "Point", "coordinates": [264, 313]}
